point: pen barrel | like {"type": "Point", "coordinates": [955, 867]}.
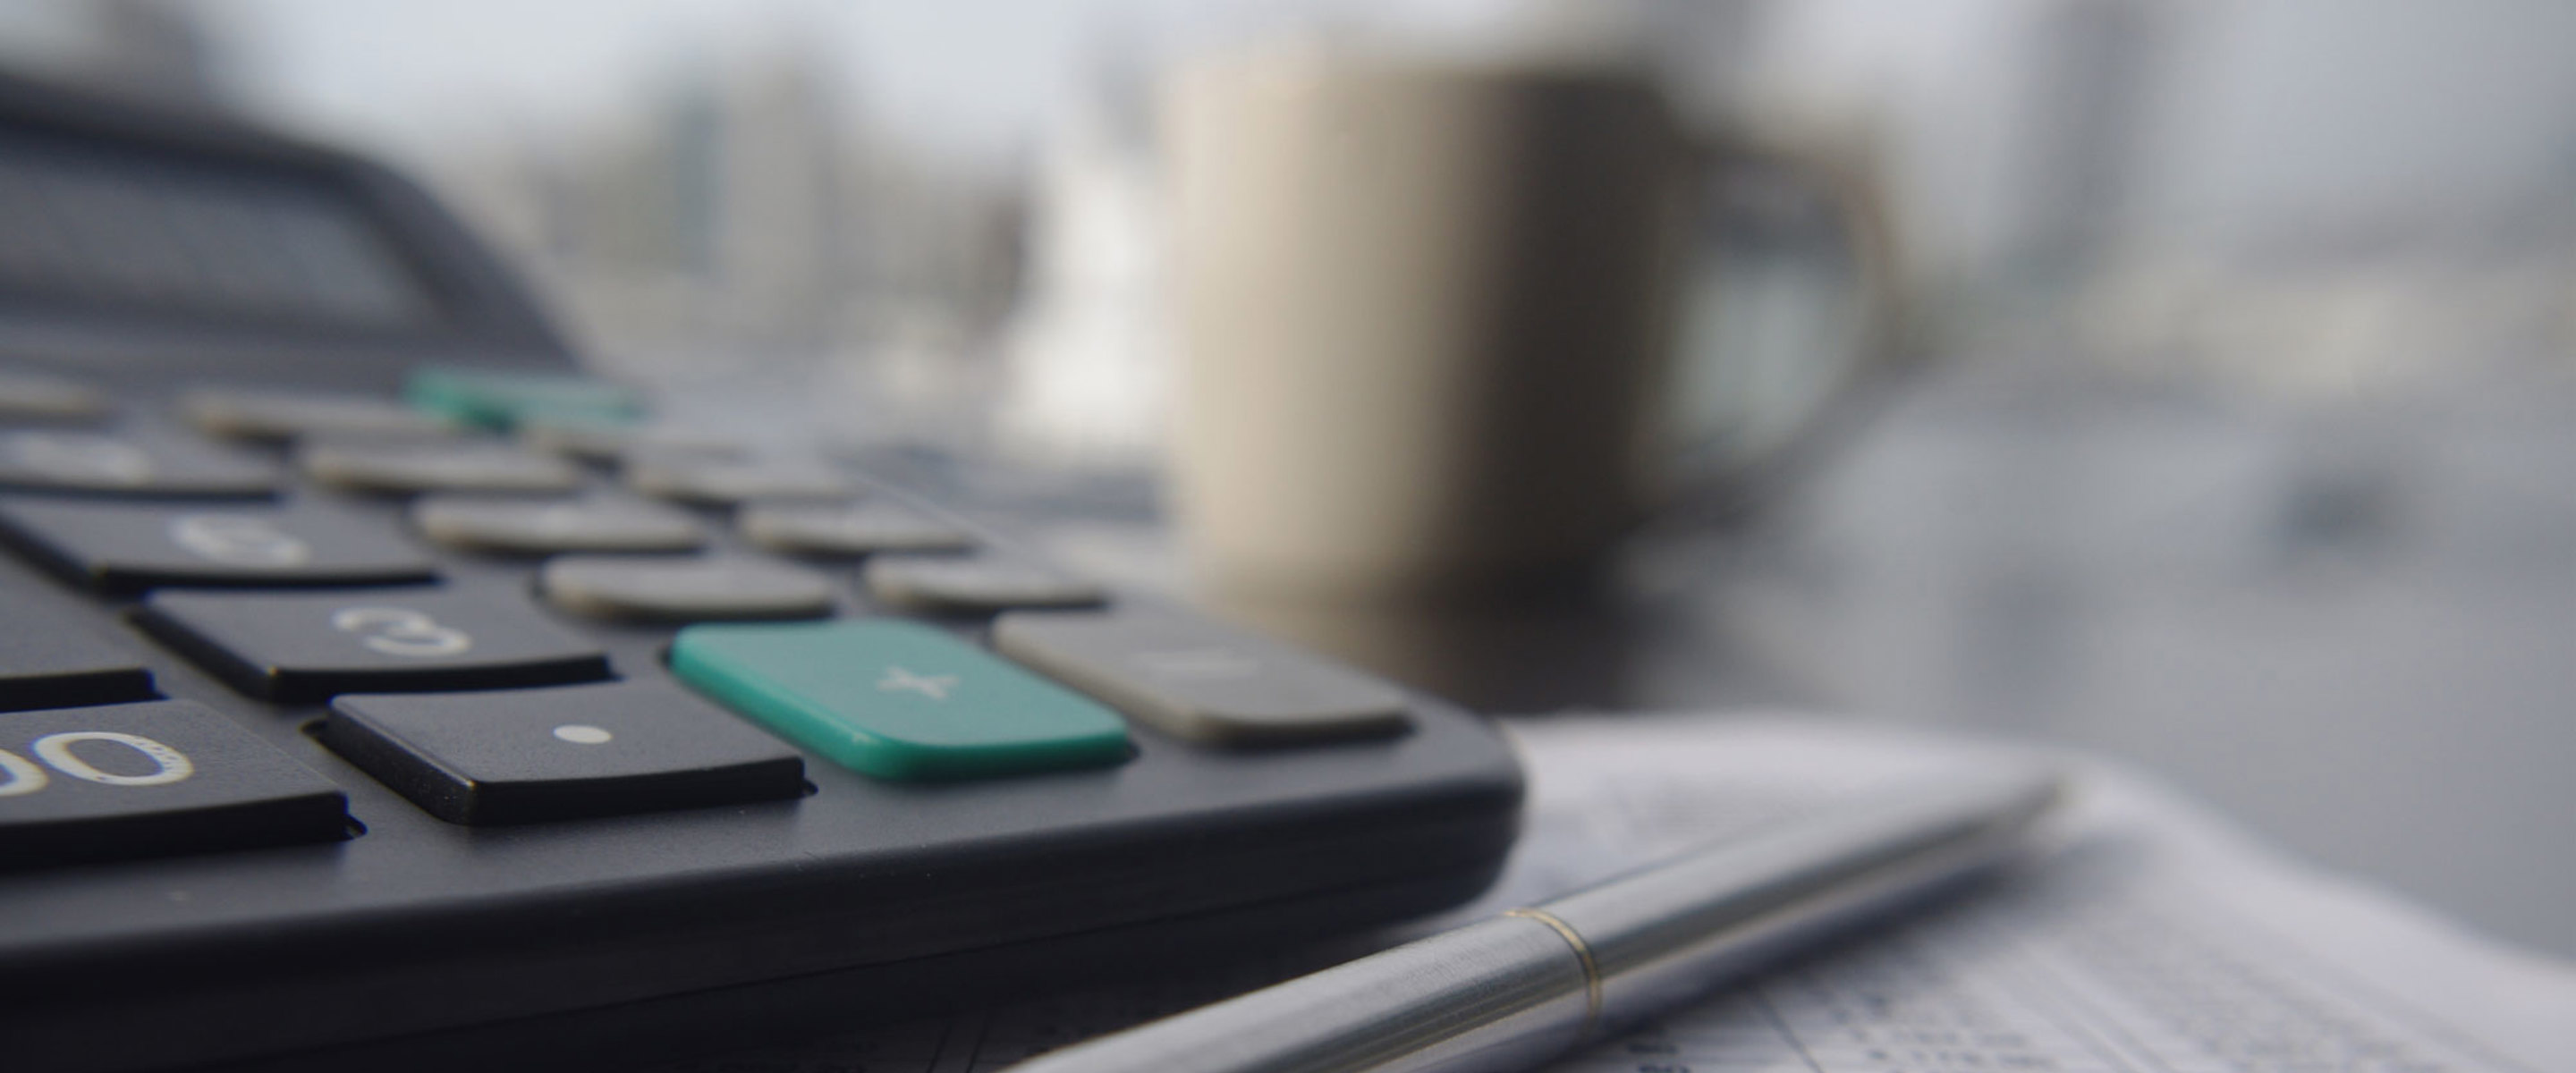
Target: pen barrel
{"type": "Point", "coordinates": [1667, 934]}
{"type": "Point", "coordinates": [1499, 994]}
{"type": "Point", "coordinates": [1509, 992]}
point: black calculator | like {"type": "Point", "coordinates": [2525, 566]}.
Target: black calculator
{"type": "Point", "coordinates": [377, 690]}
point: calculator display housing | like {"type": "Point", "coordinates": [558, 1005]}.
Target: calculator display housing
{"type": "Point", "coordinates": [470, 307]}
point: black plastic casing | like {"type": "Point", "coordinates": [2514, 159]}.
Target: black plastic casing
{"type": "Point", "coordinates": [420, 944]}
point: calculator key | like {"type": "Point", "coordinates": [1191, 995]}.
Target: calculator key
{"type": "Point", "coordinates": [522, 527]}
{"type": "Point", "coordinates": [305, 647]}
{"type": "Point", "coordinates": [127, 547]}
{"type": "Point", "coordinates": [532, 755]}
{"type": "Point", "coordinates": [286, 416]}
{"type": "Point", "coordinates": [141, 780]}
{"type": "Point", "coordinates": [617, 444]}
{"type": "Point", "coordinates": [683, 589]}
{"type": "Point", "coordinates": [504, 399]}
{"type": "Point", "coordinates": [47, 663]}
{"type": "Point", "coordinates": [30, 398]}
{"type": "Point", "coordinates": [1200, 681]}
{"type": "Point", "coordinates": [897, 700]}
{"type": "Point", "coordinates": [408, 468]}
{"type": "Point", "coordinates": [978, 584]}
{"type": "Point", "coordinates": [858, 529]}
{"type": "Point", "coordinates": [723, 483]}
{"type": "Point", "coordinates": [89, 463]}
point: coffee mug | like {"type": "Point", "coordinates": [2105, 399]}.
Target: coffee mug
{"type": "Point", "coordinates": [1426, 311]}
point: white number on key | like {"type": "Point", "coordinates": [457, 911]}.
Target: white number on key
{"type": "Point", "coordinates": [24, 777]}
{"type": "Point", "coordinates": [168, 764]}
{"type": "Point", "coordinates": [401, 631]}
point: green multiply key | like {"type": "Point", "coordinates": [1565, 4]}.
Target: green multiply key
{"type": "Point", "coordinates": [897, 700]}
{"type": "Point", "coordinates": [505, 399]}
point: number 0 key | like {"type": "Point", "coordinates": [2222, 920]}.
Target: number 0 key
{"type": "Point", "coordinates": [139, 780]}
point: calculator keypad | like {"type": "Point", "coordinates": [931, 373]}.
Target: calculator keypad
{"type": "Point", "coordinates": [307, 647]}
{"type": "Point", "coordinates": [481, 709]}
{"type": "Point", "coordinates": [122, 548]}
{"type": "Point", "coordinates": [532, 755]}
{"type": "Point", "coordinates": [137, 780]}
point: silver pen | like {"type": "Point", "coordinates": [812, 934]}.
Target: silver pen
{"type": "Point", "coordinates": [1509, 992]}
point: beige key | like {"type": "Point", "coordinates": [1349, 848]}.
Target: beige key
{"type": "Point", "coordinates": [858, 529]}
{"type": "Point", "coordinates": [683, 588]}
{"type": "Point", "coordinates": [524, 527]}
{"type": "Point", "coordinates": [409, 468]}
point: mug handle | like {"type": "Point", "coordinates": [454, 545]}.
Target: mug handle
{"type": "Point", "coordinates": [1721, 473]}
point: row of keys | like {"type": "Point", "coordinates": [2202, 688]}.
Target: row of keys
{"type": "Point", "coordinates": [374, 446]}
{"type": "Point", "coordinates": [292, 647]}
{"type": "Point", "coordinates": [887, 698]}
{"type": "Point", "coordinates": [396, 468]}
{"type": "Point", "coordinates": [160, 777]}
{"type": "Point", "coordinates": [901, 700]}
{"type": "Point", "coordinates": [435, 399]}
{"type": "Point", "coordinates": [65, 461]}
{"type": "Point", "coordinates": [88, 463]}
{"type": "Point", "coordinates": [126, 548]}
{"type": "Point", "coordinates": [286, 416]}
{"type": "Point", "coordinates": [890, 699]}
{"type": "Point", "coordinates": [1187, 677]}
{"type": "Point", "coordinates": [608, 524]}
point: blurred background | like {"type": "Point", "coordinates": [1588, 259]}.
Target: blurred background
{"type": "Point", "coordinates": [2242, 441]}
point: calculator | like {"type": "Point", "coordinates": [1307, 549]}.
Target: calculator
{"type": "Point", "coordinates": [379, 690]}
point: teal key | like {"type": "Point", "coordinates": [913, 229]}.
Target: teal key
{"type": "Point", "coordinates": [497, 399]}
{"type": "Point", "coordinates": [897, 700]}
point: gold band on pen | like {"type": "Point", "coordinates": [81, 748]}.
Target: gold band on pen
{"type": "Point", "coordinates": [1583, 954]}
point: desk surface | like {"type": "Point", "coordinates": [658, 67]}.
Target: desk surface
{"type": "Point", "coordinates": [2354, 630]}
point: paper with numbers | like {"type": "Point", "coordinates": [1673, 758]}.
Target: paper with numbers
{"type": "Point", "coordinates": [2144, 936]}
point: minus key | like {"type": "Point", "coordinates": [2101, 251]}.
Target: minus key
{"type": "Point", "coordinates": [1196, 680]}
